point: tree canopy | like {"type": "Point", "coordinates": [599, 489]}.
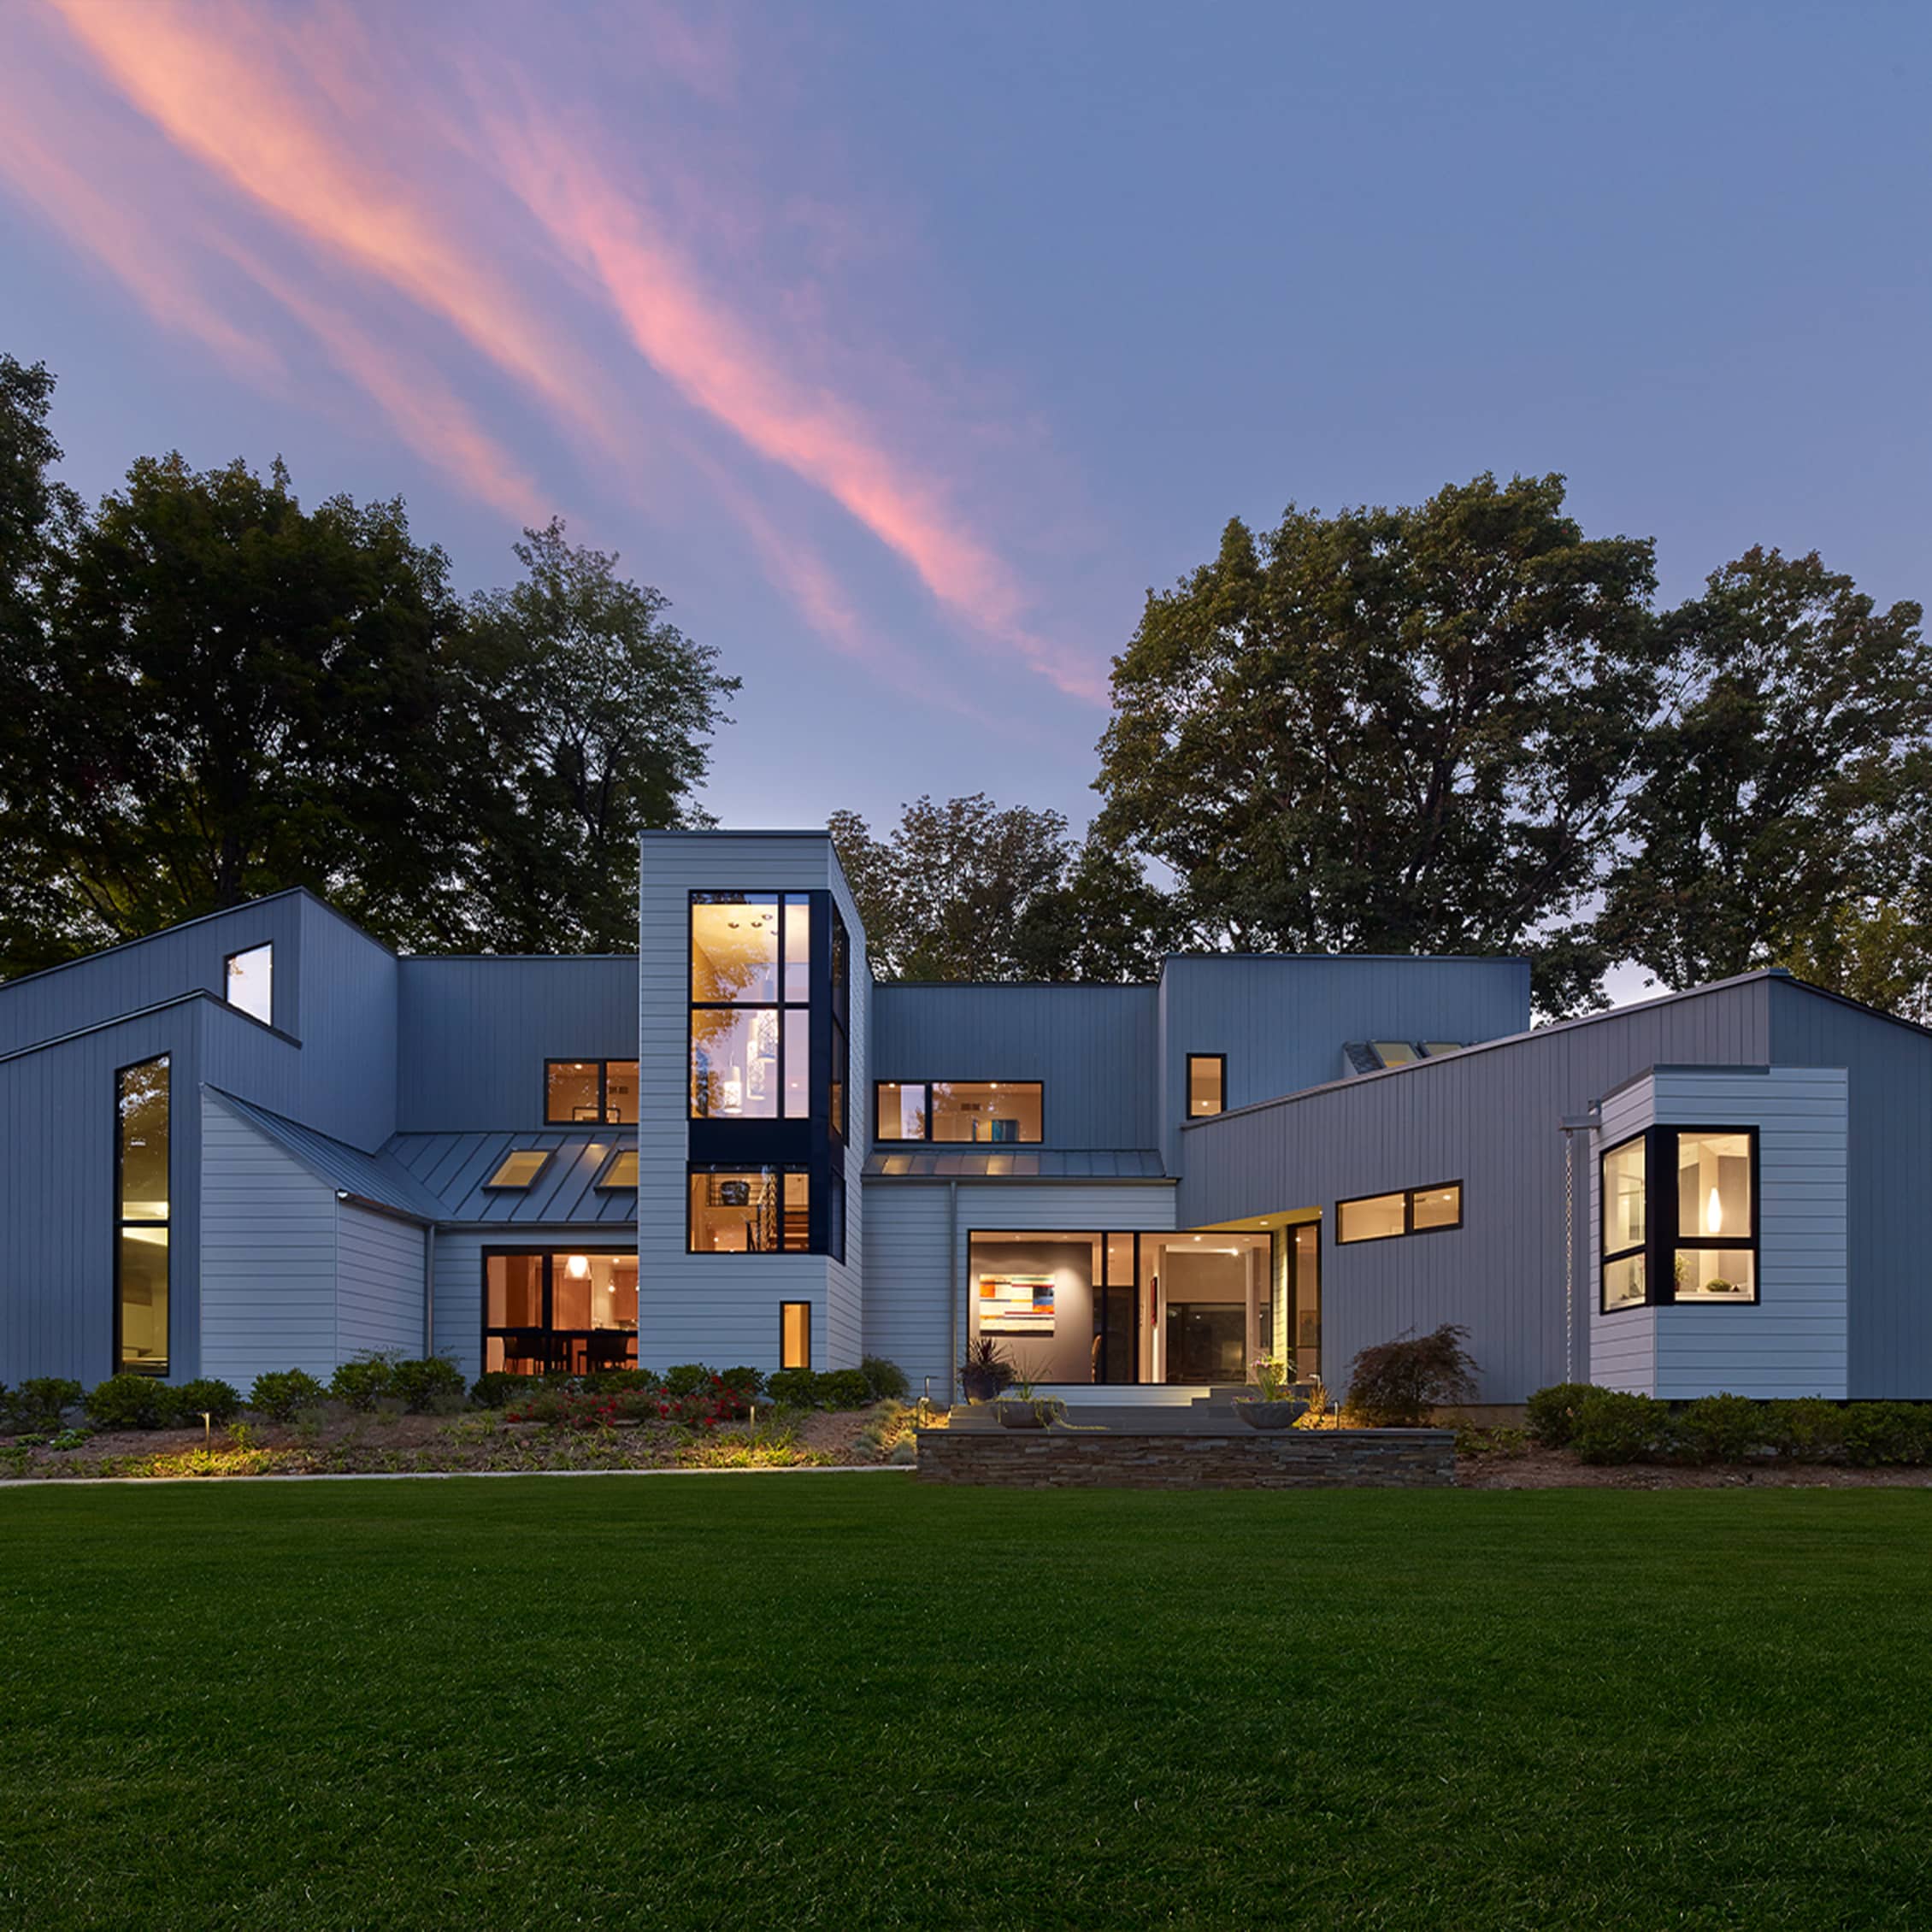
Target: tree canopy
{"type": "Point", "coordinates": [1390, 730]}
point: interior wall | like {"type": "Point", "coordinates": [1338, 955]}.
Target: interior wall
{"type": "Point", "coordinates": [1066, 1355]}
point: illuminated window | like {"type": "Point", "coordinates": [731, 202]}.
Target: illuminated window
{"type": "Point", "coordinates": [519, 1168]}
{"type": "Point", "coordinates": [571, 1313]}
{"type": "Point", "coordinates": [794, 1335]}
{"type": "Point", "coordinates": [750, 1006]}
{"type": "Point", "coordinates": [141, 1215]}
{"type": "Point", "coordinates": [1411, 1210]}
{"type": "Point", "coordinates": [749, 1210]}
{"type": "Point", "coordinates": [249, 982]}
{"type": "Point", "coordinates": [1623, 1203]}
{"type": "Point", "coordinates": [1207, 1084]}
{"type": "Point", "coordinates": [1679, 1212]}
{"type": "Point", "coordinates": [578, 1090]}
{"type": "Point", "coordinates": [990, 1111]}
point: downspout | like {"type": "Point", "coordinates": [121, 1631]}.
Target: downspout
{"type": "Point", "coordinates": [428, 1289]}
{"type": "Point", "coordinates": [952, 1289]}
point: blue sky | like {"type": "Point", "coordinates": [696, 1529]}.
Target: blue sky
{"type": "Point", "coordinates": [905, 347]}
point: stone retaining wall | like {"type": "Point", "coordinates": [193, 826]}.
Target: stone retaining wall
{"type": "Point", "coordinates": [1369, 1458]}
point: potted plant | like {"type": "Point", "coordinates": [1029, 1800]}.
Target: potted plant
{"type": "Point", "coordinates": [1275, 1403]}
{"type": "Point", "coordinates": [984, 1371]}
{"type": "Point", "coordinates": [1019, 1407]}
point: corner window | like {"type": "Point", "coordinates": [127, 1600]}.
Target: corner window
{"type": "Point", "coordinates": [519, 1168]}
{"type": "Point", "coordinates": [794, 1335]}
{"type": "Point", "coordinates": [580, 1091]}
{"type": "Point", "coordinates": [1410, 1210]}
{"type": "Point", "coordinates": [142, 1140]}
{"type": "Point", "coordinates": [620, 1170]}
{"type": "Point", "coordinates": [249, 983]}
{"type": "Point", "coordinates": [749, 1210]}
{"type": "Point", "coordinates": [1678, 1218]}
{"type": "Point", "coordinates": [1207, 1084]}
{"type": "Point", "coordinates": [750, 1006]}
{"type": "Point", "coordinates": [997, 1111]}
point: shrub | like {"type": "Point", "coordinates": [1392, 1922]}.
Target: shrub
{"type": "Point", "coordinates": [687, 1378]}
{"type": "Point", "coordinates": [1551, 1414]}
{"type": "Point", "coordinates": [1397, 1384]}
{"type": "Point", "coordinates": [128, 1401]}
{"type": "Point", "coordinates": [496, 1386]}
{"type": "Point", "coordinates": [1613, 1426]}
{"type": "Point", "coordinates": [1877, 1433]}
{"type": "Point", "coordinates": [1719, 1428]}
{"type": "Point", "coordinates": [1808, 1430]}
{"type": "Point", "coordinates": [845, 1388]}
{"type": "Point", "coordinates": [280, 1393]}
{"type": "Point", "coordinates": [615, 1382]}
{"type": "Point", "coordinates": [429, 1386]}
{"type": "Point", "coordinates": [38, 1404]}
{"type": "Point", "coordinates": [886, 1379]}
{"type": "Point", "coordinates": [796, 1388]}
{"type": "Point", "coordinates": [363, 1382]}
{"type": "Point", "coordinates": [188, 1401]}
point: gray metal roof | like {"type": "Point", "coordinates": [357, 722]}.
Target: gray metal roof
{"type": "Point", "coordinates": [373, 1177]}
{"type": "Point", "coordinates": [454, 1168]}
{"type": "Point", "coordinates": [1015, 1163]}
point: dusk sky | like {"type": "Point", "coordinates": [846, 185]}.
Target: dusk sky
{"type": "Point", "coordinates": [905, 345]}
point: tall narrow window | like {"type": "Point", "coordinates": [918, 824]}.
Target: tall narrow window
{"type": "Point", "coordinates": [1623, 1201]}
{"type": "Point", "coordinates": [750, 1001]}
{"type": "Point", "coordinates": [1207, 1084]}
{"type": "Point", "coordinates": [141, 1214]}
{"type": "Point", "coordinates": [794, 1335]}
{"type": "Point", "coordinates": [249, 982]}
{"type": "Point", "coordinates": [1717, 1251]}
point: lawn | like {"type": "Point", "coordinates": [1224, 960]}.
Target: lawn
{"type": "Point", "coordinates": [848, 1700]}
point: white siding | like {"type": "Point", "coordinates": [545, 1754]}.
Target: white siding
{"type": "Point", "coordinates": [1623, 1345]}
{"type": "Point", "coordinates": [911, 1278]}
{"type": "Point", "coordinates": [379, 1284]}
{"type": "Point", "coordinates": [1793, 1341]}
{"type": "Point", "coordinates": [267, 1257]}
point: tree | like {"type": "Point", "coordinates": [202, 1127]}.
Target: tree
{"type": "Point", "coordinates": [1780, 815]}
{"type": "Point", "coordinates": [232, 695]}
{"type": "Point", "coordinates": [596, 712]}
{"type": "Point", "coordinates": [967, 890]}
{"type": "Point", "coordinates": [1391, 730]}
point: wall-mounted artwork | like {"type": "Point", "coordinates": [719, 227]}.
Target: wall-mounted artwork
{"type": "Point", "coordinates": [1017, 1304]}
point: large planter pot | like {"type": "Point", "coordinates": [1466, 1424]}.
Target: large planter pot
{"type": "Point", "coordinates": [1271, 1415]}
{"type": "Point", "coordinates": [1019, 1415]}
{"type": "Point", "coordinates": [979, 1385]}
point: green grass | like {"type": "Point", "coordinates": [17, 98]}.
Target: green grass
{"type": "Point", "coordinates": [846, 1701]}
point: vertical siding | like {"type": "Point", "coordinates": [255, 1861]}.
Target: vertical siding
{"type": "Point", "coordinates": [379, 1284]}
{"type": "Point", "coordinates": [57, 1197]}
{"type": "Point", "coordinates": [1491, 1119]}
{"type": "Point", "coordinates": [909, 1315]}
{"type": "Point", "coordinates": [1092, 1048]}
{"type": "Point", "coordinates": [1888, 1199]}
{"type": "Point", "coordinates": [1282, 1021]}
{"type": "Point", "coordinates": [475, 1032]}
{"type": "Point", "coordinates": [268, 1256]}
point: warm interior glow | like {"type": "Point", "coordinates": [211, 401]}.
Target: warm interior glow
{"type": "Point", "coordinates": [579, 1265]}
{"type": "Point", "coordinates": [1714, 1215]}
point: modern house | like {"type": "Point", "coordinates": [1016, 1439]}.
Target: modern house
{"type": "Point", "coordinates": [262, 1141]}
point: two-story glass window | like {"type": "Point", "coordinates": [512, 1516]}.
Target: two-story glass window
{"type": "Point", "coordinates": [1679, 1209]}
{"type": "Point", "coordinates": [750, 1006]}
{"type": "Point", "coordinates": [142, 1139]}
{"type": "Point", "coordinates": [576, 1090]}
{"type": "Point", "coordinates": [995, 1111]}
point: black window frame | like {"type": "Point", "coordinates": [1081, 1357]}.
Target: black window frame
{"type": "Point", "coordinates": [605, 1117]}
{"type": "Point", "coordinates": [927, 1139]}
{"type": "Point", "coordinates": [495, 1186]}
{"type": "Point", "coordinates": [1408, 1227]}
{"type": "Point", "coordinates": [122, 1222]}
{"type": "Point", "coordinates": [809, 902]}
{"type": "Point", "coordinates": [784, 1308]}
{"type": "Point", "coordinates": [548, 1256]}
{"type": "Point", "coordinates": [815, 1220]}
{"type": "Point", "coordinates": [1221, 1082]}
{"type": "Point", "coordinates": [1662, 1228]}
{"type": "Point", "coordinates": [1644, 1138]}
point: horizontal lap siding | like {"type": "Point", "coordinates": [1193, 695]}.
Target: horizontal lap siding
{"type": "Point", "coordinates": [379, 1284]}
{"type": "Point", "coordinates": [268, 1256]}
{"type": "Point", "coordinates": [1491, 1119]}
